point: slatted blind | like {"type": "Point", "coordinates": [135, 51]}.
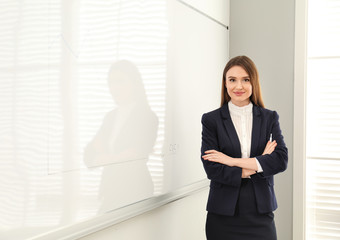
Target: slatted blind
{"type": "Point", "coordinates": [323, 121]}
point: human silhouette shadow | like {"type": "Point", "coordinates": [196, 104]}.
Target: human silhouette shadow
{"type": "Point", "coordinates": [124, 141]}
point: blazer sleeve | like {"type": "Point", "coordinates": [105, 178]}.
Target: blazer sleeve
{"type": "Point", "coordinates": [277, 161]}
{"type": "Point", "coordinates": [216, 171]}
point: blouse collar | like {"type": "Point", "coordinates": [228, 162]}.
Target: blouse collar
{"type": "Point", "coordinates": [240, 110]}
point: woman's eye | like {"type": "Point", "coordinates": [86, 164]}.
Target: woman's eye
{"type": "Point", "coordinates": [232, 80]}
{"type": "Point", "coordinates": [247, 80]}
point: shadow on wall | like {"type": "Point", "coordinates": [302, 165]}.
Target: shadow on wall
{"type": "Point", "coordinates": [124, 141]}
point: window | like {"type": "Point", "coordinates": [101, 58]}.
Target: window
{"type": "Point", "coordinates": [323, 121]}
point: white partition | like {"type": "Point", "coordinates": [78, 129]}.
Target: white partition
{"type": "Point", "coordinates": [101, 104]}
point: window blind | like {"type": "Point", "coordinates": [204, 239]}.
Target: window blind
{"type": "Point", "coordinates": [323, 121]}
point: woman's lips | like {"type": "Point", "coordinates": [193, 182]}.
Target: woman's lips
{"type": "Point", "coordinates": [238, 93]}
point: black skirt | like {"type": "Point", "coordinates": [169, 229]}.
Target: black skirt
{"type": "Point", "coordinates": [246, 224]}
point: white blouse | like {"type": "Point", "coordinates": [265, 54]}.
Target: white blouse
{"type": "Point", "coordinates": [242, 118]}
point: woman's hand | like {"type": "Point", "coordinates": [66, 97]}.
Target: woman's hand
{"type": "Point", "coordinates": [247, 172]}
{"type": "Point", "coordinates": [270, 147]}
{"type": "Point", "coordinates": [215, 156]}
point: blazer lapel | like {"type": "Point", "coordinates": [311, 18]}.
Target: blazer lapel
{"type": "Point", "coordinates": [231, 131]}
{"type": "Point", "coordinates": [256, 131]}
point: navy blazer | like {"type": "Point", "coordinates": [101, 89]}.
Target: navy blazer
{"type": "Point", "coordinates": [219, 133]}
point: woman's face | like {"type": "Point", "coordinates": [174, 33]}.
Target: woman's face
{"type": "Point", "coordinates": [238, 86]}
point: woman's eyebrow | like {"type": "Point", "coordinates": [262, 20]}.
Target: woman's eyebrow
{"type": "Point", "coordinates": [236, 77]}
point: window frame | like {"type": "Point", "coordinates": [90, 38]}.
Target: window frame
{"type": "Point", "coordinates": [299, 134]}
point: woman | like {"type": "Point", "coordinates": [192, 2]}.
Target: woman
{"type": "Point", "coordinates": [242, 149]}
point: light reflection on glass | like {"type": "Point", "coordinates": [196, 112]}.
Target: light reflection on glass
{"type": "Point", "coordinates": [55, 98]}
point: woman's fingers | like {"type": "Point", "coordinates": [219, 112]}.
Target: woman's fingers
{"type": "Point", "coordinates": [211, 157]}
{"type": "Point", "coordinates": [247, 172]}
{"type": "Point", "coordinates": [270, 147]}
{"type": "Point", "coordinates": [268, 143]}
{"type": "Point", "coordinates": [210, 154]}
{"type": "Point", "coordinates": [214, 156]}
{"type": "Point", "coordinates": [210, 151]}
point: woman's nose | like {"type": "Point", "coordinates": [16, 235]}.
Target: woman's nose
{"type": "Point", "coordinates": [239, 85]}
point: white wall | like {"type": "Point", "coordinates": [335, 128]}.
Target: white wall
{"type": "Point", "coordinates": [183, 219]}
{"type": "Point", "coordinates": [264, 31]}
